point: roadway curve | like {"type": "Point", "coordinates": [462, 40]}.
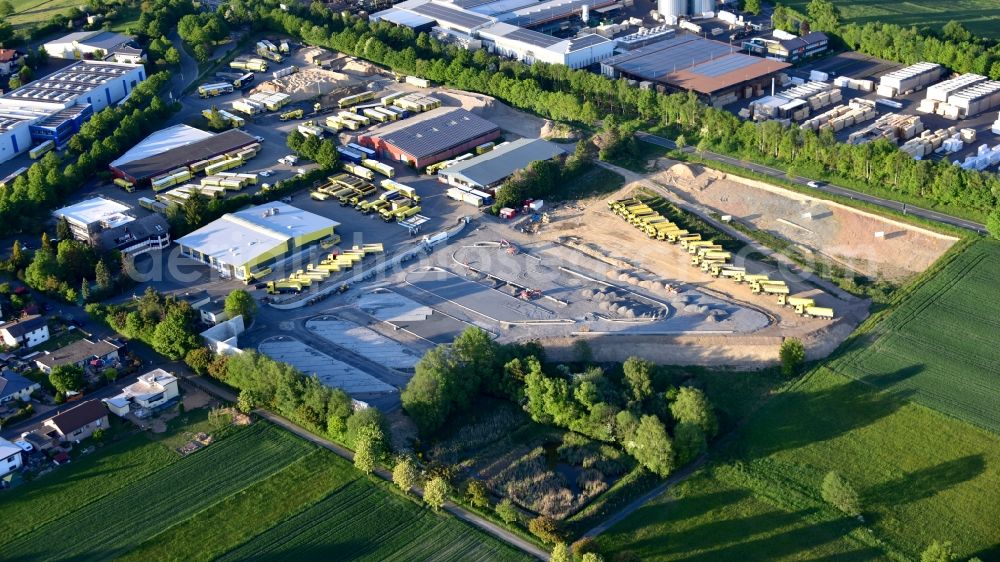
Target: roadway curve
{"type": "Point", "coordinates": [824, 187]}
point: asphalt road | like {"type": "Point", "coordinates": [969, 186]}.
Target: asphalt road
{"type": "Point", "coordinates": [188, 71]}
{"type": "Point", "coordinates": [824, 187]}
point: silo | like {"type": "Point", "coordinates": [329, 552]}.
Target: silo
{"type": "Point", "coordinates": [672, 8]}
{"type": "Point", "coordinates": [702, 6]}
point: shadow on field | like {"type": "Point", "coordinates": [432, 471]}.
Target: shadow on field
{"type": "Point", "coordinates": [926, 482]}
{"type": "Point", "coordinates": [681, 509]}
{"type": "Point", "coordinates": [778, 545]}
{"type": "Point", "coordinates": [805, 417]}
{"type": "Point", "coordinates": [886, 380]}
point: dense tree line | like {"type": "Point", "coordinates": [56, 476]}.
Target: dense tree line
{"type": "Point", "coordinates": [661, 427]}
{"type": "Point", "coordinates": [202, 31]}
{"type": "Point", "coordinates": [167, 324]}
{"type": "Point", "coordinates": [563, 94]}
{"type": "Point", "coordinates": [48, 183]}
{"type": "Point", "coordinates": [543, 179]}
{"type": "Point", "coordinates": [322, 151]}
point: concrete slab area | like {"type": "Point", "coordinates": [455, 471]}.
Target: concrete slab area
{"type": "Point", "coordinates": [364, 342]}
{"type": "Point", "coordinates": [407, 314]}
{"type": "Point", "coordinates": [331, 372]}
{"type": "Point", "coordinates": [477, 298]}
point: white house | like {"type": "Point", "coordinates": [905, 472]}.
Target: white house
{"type": "Point", "coordinates": [28, 331]}
{"type": "Point", "coordinates": [16, 387]}
{"type": "Point", "coordinates": [10, 457]}
{"type": "Point", "coordinates": [152, 390]}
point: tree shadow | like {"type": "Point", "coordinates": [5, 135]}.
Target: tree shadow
{"type": "Point", "coordinates": [790, 542]}
{"type": "Point", "coordinates": [886, 380]}
{"type": "Point", "coordinates": [803, 417]}
{"type": "Point", "coordinates": [926, 482]}
{"type": "Point", "coordinates": [680, 509]}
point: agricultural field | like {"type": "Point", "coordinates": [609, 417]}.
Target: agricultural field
{"type": "Point", "coordinates": [34, 11]}
{"type": "Point", "coordinates": [921, 477]}
{"type": "Point", "coordinates": [981, 17]}
{"type": "Point", "coordinates": [140, 500]}
{"type": "Point", "coordinates": [939, 347]}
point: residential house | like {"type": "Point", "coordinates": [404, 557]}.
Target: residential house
{"type": "Point", "coordinates": [10, 61]}
{"type": "Point", "coordinates": [128, 54]}
{"type": "Point", "coordinates": [16, 387]}
{"type": "Point", "coordinates": [11, 457]}
{"type": "Point", "coordinates": [152, 390]}
{"type": "Point", "coordinates": [214, 312]}
{"type": "Point", "coordinates": [28, 331]}
{"type": "Point", "coordinates": [78, 422]}
{"type": "Point", "coordinates": [84, 353]}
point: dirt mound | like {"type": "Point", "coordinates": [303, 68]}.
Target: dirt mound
{"type": "Point", "coordinates": [681, 171]}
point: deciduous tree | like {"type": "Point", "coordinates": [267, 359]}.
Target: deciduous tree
{"type": "Point", "coordinates": [652, 446]}
{"type": "Point", "coordinates": [839, 493]}
{"type": "Point", "coordinates": [240, 302]}
{"type": "Point", "coordinates": [404, 474]}
{"type": "Point", "coordinates": [436, 492]}
{"type": "Point", "coordinates": [792, 354]}
{"type": "Point", "coordinates": [65, 378]}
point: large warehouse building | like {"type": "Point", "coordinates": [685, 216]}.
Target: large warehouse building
{"type": "Point", "coordinates": [502, 27]}
{"type": "Point", "coordinates": [175, 148]}
{"type": "Point", "coordinates": [431, 137]}
{"type": "Point", "coordinates": [87, 44]}
{"type": "Point", "coordinates": [241, 243]}
{"type": "Point", "coordinates": [715, 70]}
{"type": "Point", "coordinates": [55, 106]}
{"type": "Point", "coordinates": [489, 170]}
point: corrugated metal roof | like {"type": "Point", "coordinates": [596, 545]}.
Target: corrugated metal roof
{"type": "Point", "coordinates": [162, 141]}
{"type": "Point", "coordinates": [501, 162]}
{"type": "Point", "coordinates": [434, 131]}
{"type": "Point", "coordinates": [445, 15]}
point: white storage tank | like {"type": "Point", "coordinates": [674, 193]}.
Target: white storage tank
{"type": "Point", "coordinates": [672, 8]}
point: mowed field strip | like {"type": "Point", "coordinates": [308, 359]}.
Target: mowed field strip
{"type": "Point", "coordinates": [139, 500]}
{"type": "Point", "coordinates": [939, 348]}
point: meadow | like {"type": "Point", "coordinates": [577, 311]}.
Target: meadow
{"type": "Point", "coordinates": [981, 17]}
{"type": "Point", "coordinates": [921, 477]}
{"type": "Point", "coordinates": [140, 500]}
{"type": "Point", "coordinates": [939, 346]}
{"type": "Point", "coordinates": [34, 11]}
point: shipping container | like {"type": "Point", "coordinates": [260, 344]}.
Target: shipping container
{"type": "Point", "coordinates": [350, 155]}
{"type": "Point", "coordinates": [363, 150]}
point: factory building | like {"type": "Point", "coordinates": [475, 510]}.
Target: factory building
{"type": "Point", "coordinates": [85, 44]}
{"type": "Point", "coordinates": [55, 106]}
{"type": "Point", "coordinates": [241, 243]}
{"type": "Point", "coordinates": [174, 148]}
{"type": "Point", "coordinates": [712, 69]}
{"type": "Point", "coordinates": [489, 170]}
{"type": "Point", "coordinates": [502, 27]}
{"type": "Point", "coordinates": [788, 50]}
{"type": "Point", "coordinates": [430, 137]}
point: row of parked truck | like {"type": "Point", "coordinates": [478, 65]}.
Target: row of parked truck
{"type": "Point", "coordinates": [711, 257]}
{"type": "Point", "coordinates": [396, 201]}
{"type": "Point", "coordinates": [317, 273]}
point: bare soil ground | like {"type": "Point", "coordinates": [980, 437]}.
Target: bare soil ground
{"type": "Point", "coordinates": [828, 231]}
{"type": "Point", "coordinates": [591, 227]}
{"type": "Point", "coordinates": [509, 119]}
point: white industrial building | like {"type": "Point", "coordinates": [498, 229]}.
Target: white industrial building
{"type": "Point", "coordinates": [489, 170]}
{"type": "Point", "coordinates": [93, 215]}
{"type": "Point", "coordinates": [55, 106]}
{"type": "Point", "coordinates": [84, 44]}
{"type": "Point", "coordinates": [161, 141]}
{"type": "Point", "coordinates": [502, 27]}
{"type": "Point", "coordinates": [241, 243]}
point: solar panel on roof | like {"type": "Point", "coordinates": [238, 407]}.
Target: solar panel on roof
{"type": "Point", "coordinates": [533, 38]}
{"type": "Point", "coordinates": [723, 65]}
{"type": "Point", "coordinates": [445, 15]}
{"type": "Point", "coordinates": [586, 41]}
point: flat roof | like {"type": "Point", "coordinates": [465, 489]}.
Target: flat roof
{"type": "Point", "coordinates": [93, 210]}
{"type": "Point", "coordinates": [162, 141]}
{"type": "Point", "coordinates": [434, 131]}
{"type": "Point", "coordinates": [71, 82]}
{"type": "Point", "coordinates": [445, 14]}
{"type": "Point", "coordinates": [693, 63]}
{"type": "Point", "coordinates": [150, 166]}
{"type": "Point", "coordinates": [405, 18]}
{"type": "Point", "coordinates": [240, 237]}
{"type": "Point", "coordinates": [503, 161]}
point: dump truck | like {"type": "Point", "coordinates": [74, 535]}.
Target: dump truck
{"type": "Point", "coordinates": [692, 247]}
{"type": "Point", "coordinates": [404, 190]}
{"type": "Point", "coordinates": [319, 195]}
{"type": "Point", "coordinates": [702, 250]}
{"type": "Point", "coordinates": [293, 114]}
{"type": "Point", "coordinates": [654, 230]}
{"type": "Point", "coordinates": [769, 288]}
{"type": "Point", "coordinates": [689, 238]}
{"type": "Point", "coordinates": [671, 235]}
{"type": "Point", "coordinates": [819, 312]}
{"type": "Point", "coordinates": [389, 213]}
{"type": "Point", "coordinates": [406, 213]}
{"type": "Point", "coordinates": [713, 255]}
{"type": "Point", "coordinates": [726, 270]}
{"type": "Point", "coordinates": [283, 286]}
{"type": "Point", "coordinates": [706, 264]}
{"type": "Point", "coordinates": [785, 300]}
{"type": "Point", "coordinates": [359, 194]}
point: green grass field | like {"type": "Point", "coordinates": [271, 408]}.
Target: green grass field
{"type": "Point", "coordinates": [921, 475]}
{"type": "Point", "coordinates": [939, 347]}
{"type": "Point", "coordinates": [260, 491]}
{"type": "Point", "coordinates": [981, 17]}
{"type": "Point", "coordinates": [35, 11]}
